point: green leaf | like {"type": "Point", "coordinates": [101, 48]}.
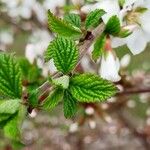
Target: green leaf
{"type": "Point", "coordinates": [9, 106]}
{"type": "Point", "coordinates": [4, 117]}
{"type": "Point", "coordinates": [65, 54]}
{"type": "Point", "coordinates": [70, 105]}
{"type": "Point", "coordinates": [63, 27]}
{"type": "Point", "coordinates": [94, 18]}
{"type": "Point", "coordinates": [49, 52]}
{"type": "Point", "coordinates": [91, 88]}
{"type": "Point", "coordinates": [24, 65]}
{"type": "Point", "coordinates": [73, 19]}
{"type": "Point", "coordinates": [99, 47]}
{"type": "Point", "coordinates": [62, 81]}
{"type": "Point", "coordinates": [113, 26]}
{"type": "Point", "coordinates": [10, 76]}
{"type": "Point", "coordinates": [53, 99]}
{"type": "Point", "coordinates": [11, 129]}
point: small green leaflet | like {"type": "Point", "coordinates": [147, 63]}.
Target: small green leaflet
{"type": "Point", "coordinates": [124, 33]}
{"type": "Point", "coordinates": [53, 99]}
{"type": "Point", "coordinates": [62, 27]}
{"type": "Point", "coordinates": [73, 19]}
{"type": "Point", "coordinates": [121, 2]}
{"type": "Point", "coordinates": [9, 106]}
{"type": "Point", "coordinates": [70, 105]}
{"type": "Point", "coordinates": [113, 26]}
{"type": "Point", "coordinates": [99, 46]}
{"type": "Point", "coordinates": [65, 54]}
{"type": "Point", "coordinates": [141, 9]}
{"type": "Point", "coordinates": [93, 18]}
{"type": "Point", "coordinates": [62, 81]}
{"type": "Point", "coordinates": [10, 76]}
{"type": "Point", "coordinates": [91, 88]}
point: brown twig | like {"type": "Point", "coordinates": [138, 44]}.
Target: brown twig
{"type": "Point", "coordinates": [134, 91]}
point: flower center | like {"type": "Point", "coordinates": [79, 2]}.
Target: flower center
{"type": "Point", "coordinates": [132, 18]}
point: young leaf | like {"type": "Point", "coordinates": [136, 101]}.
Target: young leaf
{"type": "Point", "coordinates": [9, 106]}
{"type": "Point", "coordinates": [98, 47]}
{"type": "Point", "coordinates": [10, 76]}
{"type": "Point", "coordinates": [124, 33]}
{"type": "Point", "coordinates": [70, 105]}
{"type": "Point", "coordinates": [93, 18]}
{"type": "Point", "coordinates": [73, 19]}
{"type": "Point", "coordinates": [91, 88]}
{"type": "Point", "coordinates": [53, 99]}
{"type": "Point", "coordinates": [62, 27]}
{"type": "Point", "coordinates": [65, 54]}
{"type": "Point", "coordinates": [113, 26]}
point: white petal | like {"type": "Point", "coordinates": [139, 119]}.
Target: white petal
{"type": "Point", "coordinates": [136, 42]}
{"type": "Point", "coordinates": [30, 53]}
{"type": "Point", "coordinates": [116, 42]}
{"type": "Point", "coordinates": [109, 68]}
{"type": "Point", "coordinates": [145, 22]}
{"type": "Point", "coordinates": [125, 60]}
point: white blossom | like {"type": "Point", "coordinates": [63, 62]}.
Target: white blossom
{"type": "Point", "coordinates": [138, 40]}
{"type": "Point", "coordinates": [110, 67]}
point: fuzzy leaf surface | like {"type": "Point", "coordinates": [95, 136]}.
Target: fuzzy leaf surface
{"type": "Point", "coordinates": [65, 54]}
{"type": "Point", "coordinates": [9, 106]}
{"type": "Point", "coordinates": [53, 99]}
{"type": "Point", "coordinates": [10, 76]}
{"type": "Point", "coordinates": [91, 88]}
{"type": "Point", "coordinates": [70, 105]}
{"type": "Point", "coordinates": [99, 47]}
{"type": "Point", "coordinates": [73, 19]}
{"type": "Point", "coordinates": [62, 27]}
{"type": "Point", "coordinates": [93, 18]}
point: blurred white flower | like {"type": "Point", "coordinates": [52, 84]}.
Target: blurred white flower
{"type": "Point", "coordinates": [92, 124]}
{"type": "Point", "coordinates": [125, 60]}
{"type": "Point", "coordinates": [30, 53]}
{"type": "Point", "coordinates": [74, 127]}
{"type": "Point", "coordinates": [110, 67]}
{"type": "Point", "coordinates": [77, 2]}
{"type": "Point", "coordinates": [6, 37]}
{"type": "Point", "coordinates": [53, 4]}
{"type": "Point", "coordinates": [89, 110]}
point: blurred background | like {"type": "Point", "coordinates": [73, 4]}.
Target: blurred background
{"type": "Point", "coordinates": [123, 123]}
